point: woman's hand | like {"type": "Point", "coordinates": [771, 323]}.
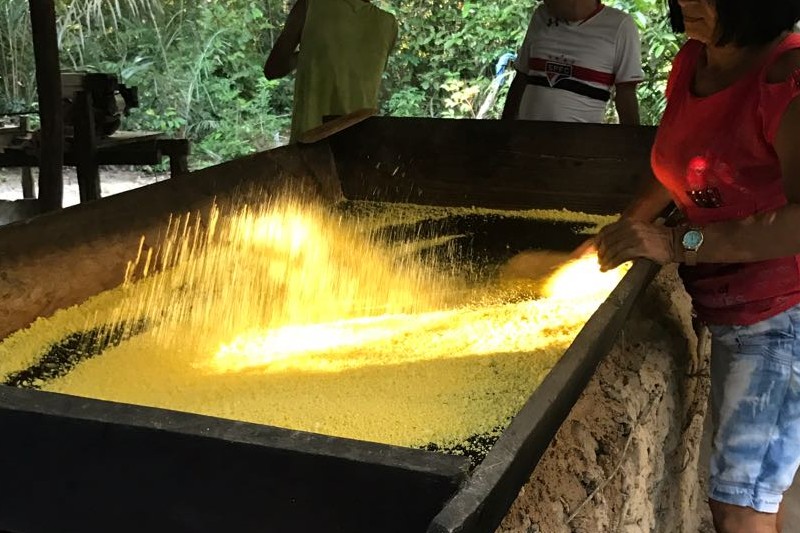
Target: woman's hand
{"type": "Point", "coordinates": [629, 239]}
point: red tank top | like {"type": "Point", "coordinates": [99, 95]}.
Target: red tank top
{"type": "Point", "coordinates": [715, 155]}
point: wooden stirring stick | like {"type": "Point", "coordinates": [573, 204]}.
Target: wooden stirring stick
{"type": "Point", "coordinates": [335, 126]}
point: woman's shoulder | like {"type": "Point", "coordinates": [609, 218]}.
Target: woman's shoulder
{"type": "Point", "coordinates": [787, 65]}
{"type": "Point", "coordinates": [781, 84]}
{"type": "Point", "coordinates": [682, 64]}
{"type": "Point", "coordinates": [687, 55]}
{"type": "Point", "coordinates": [691, 48]}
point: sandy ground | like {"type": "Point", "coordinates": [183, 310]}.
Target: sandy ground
{"type": "Point", "coordinates": [626, 460]}
{"type": "Point", "coordinates": [111, 182]}
{"type": "Point", "coordinates": [632, 456]}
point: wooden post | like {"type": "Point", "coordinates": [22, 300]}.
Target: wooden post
{"type": "Point", "coordinates": [28, 191]}
{"type": "Point", "coordinates": [48, 82]}
{"type": "Point", "coordinates": [178, 164]}
{"type": "Point", "coordinates": [85, 147]}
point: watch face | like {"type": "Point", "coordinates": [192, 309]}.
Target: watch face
{"type": "Point", "coordinates": [692, 240]}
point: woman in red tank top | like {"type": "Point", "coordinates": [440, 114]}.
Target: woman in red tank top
{"type": "Point", "coordinates": [727, 152]}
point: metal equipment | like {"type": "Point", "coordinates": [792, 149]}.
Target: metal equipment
{"type": "Point", "coordinates": [109, 99]}
{"type": "Point", "coordinates": [94, 105]}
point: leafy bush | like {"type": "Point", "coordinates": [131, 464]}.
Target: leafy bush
{"type": "Point", "coordinates": [198, 64]}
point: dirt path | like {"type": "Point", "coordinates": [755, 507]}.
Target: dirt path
{"type": "Point", "coordinates": [112, 181]}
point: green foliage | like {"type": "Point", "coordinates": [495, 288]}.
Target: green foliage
{"type": "Point", "coordinates": [444, 59]}
{"type": "Point", "coordinates": [659, 46]}
{"type": "Point", "coordinates": [198, 64]}
{"type": "Point", "coordinates": [443, 64]}
{"type": "Point", "coordinates": [17, 77]}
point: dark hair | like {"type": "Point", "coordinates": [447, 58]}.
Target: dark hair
{"type": "Point", "coordinates": [746, 22]}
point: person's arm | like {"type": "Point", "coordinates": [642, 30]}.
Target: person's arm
{"type": "Point", "coordinates": [520, 81]}
{"type": "Point", "coordinates": [514, 97]}
{"type": "Point", "coordinates": [283, 58]}
{"type": "Point", "coordinates": [627, 71]}
{"type": "Point", "coordinates": [627, 104]}
{"type": "Point", "coordinates": [760, 237]}
{"type": "Point", "coordinates": [651, 200]}
{"type": "Point", "coordinates": [768, 235]}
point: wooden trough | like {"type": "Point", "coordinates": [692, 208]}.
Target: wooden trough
{"type": "Point", "coordinates": [76, 464]}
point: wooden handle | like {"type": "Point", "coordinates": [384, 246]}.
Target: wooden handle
{"type": "Point", "coordinates": [335, 126]}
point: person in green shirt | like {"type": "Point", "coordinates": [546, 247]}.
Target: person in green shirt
{"type": "Point", "coordinates": [343, 49]}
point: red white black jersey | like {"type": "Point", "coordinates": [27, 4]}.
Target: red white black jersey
{"type": "Point", "coordinates": [571, 67]}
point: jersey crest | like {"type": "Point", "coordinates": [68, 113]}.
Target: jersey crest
{"type": "Point", "coordinates": [556, 71]}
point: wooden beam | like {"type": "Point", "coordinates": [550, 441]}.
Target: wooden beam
{"type": "Point", "coordinates": [595, 168]}
{"type": "Point", "coordinates": [28, 189]}
{"type": "Point", "coordinates": [85, 143]}
{"type": "Point", "coordinates": [48, 81]}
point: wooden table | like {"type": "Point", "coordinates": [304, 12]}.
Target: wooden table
{"type": "Point", "coordinates": [121, 148]}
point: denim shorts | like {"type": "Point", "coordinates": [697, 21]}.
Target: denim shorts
{"type": "Point", "coordinates": [755, 409]}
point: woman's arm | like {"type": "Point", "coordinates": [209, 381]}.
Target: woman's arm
{"type": "Point", "coordinates": [757, 238]}
{"type": "Point", "coordinates": [768, 235]}
{"type": "Point", "coordinates": [651, 201]}
{"type": "Point", "coordinates": [283, 58]}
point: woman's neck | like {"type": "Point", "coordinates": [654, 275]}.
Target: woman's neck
{"type": "Point", "coordinates": [731, 57]}
{"type": "Point", "coordinates": [727, 57]}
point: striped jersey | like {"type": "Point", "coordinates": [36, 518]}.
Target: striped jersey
{"type": "Point", "coordinates": [571, 67]}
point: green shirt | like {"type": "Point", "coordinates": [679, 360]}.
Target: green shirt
{"type": "Point", "coordinates": [343, 53]}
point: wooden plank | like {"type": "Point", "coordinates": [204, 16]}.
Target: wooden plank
{"type": "Point", "coordinates": [48, 82]}
{"type": "Point", "coordinates": [182, 472]}
{"type": "Point", "coordinates": [507, 165]}
{"type": "Point", "coordinates": [16, 158]}
{"type": "Point", "coordinates": [322, 167]}
{"type": "Point", "coordinates": [124, 137]}
{"type": "Point", "coordinates": [13, 211]}
{"type": "Point", "coordinates": [147, 151]}
{"type": "Point", "coordinates": [335, 125]}
{"type": "Point", "coordinates": [91, 244]}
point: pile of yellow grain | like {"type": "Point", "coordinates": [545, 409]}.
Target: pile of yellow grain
{"type": "Point", "coordinates": [288, 316]}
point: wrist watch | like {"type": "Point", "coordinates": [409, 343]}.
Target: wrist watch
{"type": "Point", "coordinates": [691, 241]}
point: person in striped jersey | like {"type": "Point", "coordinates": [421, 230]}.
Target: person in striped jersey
{"type": "Point", "coordinates": [577, 54]}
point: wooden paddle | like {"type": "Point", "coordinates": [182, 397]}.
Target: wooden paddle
{"type": "Point", "coordinates": [336, 125]}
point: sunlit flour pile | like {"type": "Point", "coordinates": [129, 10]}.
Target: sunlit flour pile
{"type": "Point", "coordinates": [298, 316]}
